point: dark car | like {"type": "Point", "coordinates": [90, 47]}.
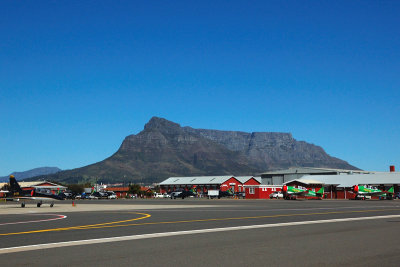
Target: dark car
{"type": "Point", "coordinates": [99, 195]}
{"type": "Point", "coordinates": [182, 194]}
{"type": "Point", "coordinates": [225, 194]}
{"type": "Point", "coordinates": [175, 194]}
{"type": "Point", "coordinates": [187, 194]}
{"type": "Point", "coordinates": [396, 195]}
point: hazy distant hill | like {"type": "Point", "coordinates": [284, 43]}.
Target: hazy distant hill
{"type": "Point", "coordinates": [31, 173]}
{"type": "Point", "coordinates": [165, 149]}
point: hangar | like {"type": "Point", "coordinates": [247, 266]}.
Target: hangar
{"type": "Point", "coordinates": [45, 185]}
{"type": "Point", "coordinates": [274, 180]}
{"type": "Point", "coordinates": [338, 183]}
{"type": "Point", "coordinates": [280, 177]}
{"type": "Point", "coordinates": [205, 183]}
{"type": "Point", "coordinates": [39, 184]}
{"type": "Point", "coordinates": [340, 186]}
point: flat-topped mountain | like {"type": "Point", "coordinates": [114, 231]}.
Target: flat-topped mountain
{"type": "Point", "coordinates": [271, 151]}
{"type": "Point", "coordinates": [164, 149]}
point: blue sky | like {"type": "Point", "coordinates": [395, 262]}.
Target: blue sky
{"type": "Point", "coordinates": [76, 77]}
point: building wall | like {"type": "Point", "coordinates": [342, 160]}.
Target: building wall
{"type": "Point", "coordinates": [339, 193]}
{"type": "Point", "coordinates": [289, 177]}
{"type": "Point", "coordinates": [277, 179]}
{"type": "Point", "coordinates": [252, 181]}
{"type": "Point", "coordinates": [233, 184]}
{"type": "Point", "coordinates": [261, 191]}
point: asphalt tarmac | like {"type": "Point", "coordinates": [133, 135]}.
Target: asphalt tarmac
{"type": "Point", "coordinates": [201, 232]}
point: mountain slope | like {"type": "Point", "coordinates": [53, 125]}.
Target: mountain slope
{"type": "Point", "coordinates": [164, 149]}
{"type": "Point", "coordinates": [31, 173]}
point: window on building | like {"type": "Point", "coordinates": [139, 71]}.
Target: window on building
{"type": "Point", "coordinates": [251, 190]}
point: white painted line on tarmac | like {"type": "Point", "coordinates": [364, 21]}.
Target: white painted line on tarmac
{"type": "Point", "coordinates": [58, 217]}
{"type": "Point", "coordinates": [291, 209]}
{"type": "Point", "coordinates": [178, 233]}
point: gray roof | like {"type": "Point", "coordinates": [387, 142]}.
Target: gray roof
{"type": "Point", "coordinates": [199, 180]}
{"type": "Point", "coordinates": [305, 170]}
{"type": "Point", "coordinates": [385, 178]}
{"type": "Point", "coordinates": [259, 179]}
{"type": "Point", "coordinates": [244, 179]}
{"type": "Point", "coordinates": [195, 180]}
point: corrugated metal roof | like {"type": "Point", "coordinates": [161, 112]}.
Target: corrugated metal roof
{"type": "Point", "coordinates": [199, 180]}
{"type": "Point", "coordinates": [36, 184]}
{"type": "Point", "coordinates": [244, 179]}
{"type": "Point", "coordinates": [196, 180]}
{"type": "Point", "coordinates": [388, 178]}
{"type": "Point", "coordinates": [30, 184]}
{"type": "Point", "coordinates": [307, 181]}
{"type": "Point", "coordinates": [306, 170]}
{"type": "Point", "coordinates": [259, 179]}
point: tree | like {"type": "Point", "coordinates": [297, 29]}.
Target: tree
{"type": "Point", "coordinates": [76, 188]}
{"type": "Point", "coordinates": [135, 189]}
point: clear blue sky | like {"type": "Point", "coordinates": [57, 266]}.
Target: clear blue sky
{"type": "Point", "coordinates": [76, 77]}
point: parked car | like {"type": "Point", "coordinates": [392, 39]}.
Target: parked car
{"type": "Point", "coordinates": [99, 194]}
{"type": "Point", "coordinates": [166, 195]}
{"type": "Point", "coordinates": [112, 196]}
{"type": "Point", "coordinates": [187, 193]}
{"type": "Point", "coordinates": [175, 194]}
{"type": "Point", "coordinates": [397, 195]}
{"type": "Point", "coordinates": [158, 195]}
{"type": "Point", "coordinates": [226, 193]}
{"type": "Point", "coordinates": [67, 194]}
{"type": "Point", "coordinates": [276, 194]}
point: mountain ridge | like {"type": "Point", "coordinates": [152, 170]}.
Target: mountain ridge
{"type": "Point", "coordinates": [31, 173]}
{"type": "Point", "coordinates": [164, 149]}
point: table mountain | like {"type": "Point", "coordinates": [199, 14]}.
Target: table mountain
{"type": "Point", "coordinates": [164, 149]}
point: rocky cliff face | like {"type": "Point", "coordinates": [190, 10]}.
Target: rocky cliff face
{"type": "Point", "coordinates": [270, 151]}
{"type": "Point", "coordinates": [165, 149]}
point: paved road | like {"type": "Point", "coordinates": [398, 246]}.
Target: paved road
{"type": "Point", "coordinates": [200, 232]}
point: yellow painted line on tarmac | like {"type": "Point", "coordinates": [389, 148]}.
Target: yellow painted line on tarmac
{"type": "Point", "coordinates": [114, 224]}
{"type": "Point", "coordinates": [249, 217]}
{"type": "Point", "coordinates": [99, 225]}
